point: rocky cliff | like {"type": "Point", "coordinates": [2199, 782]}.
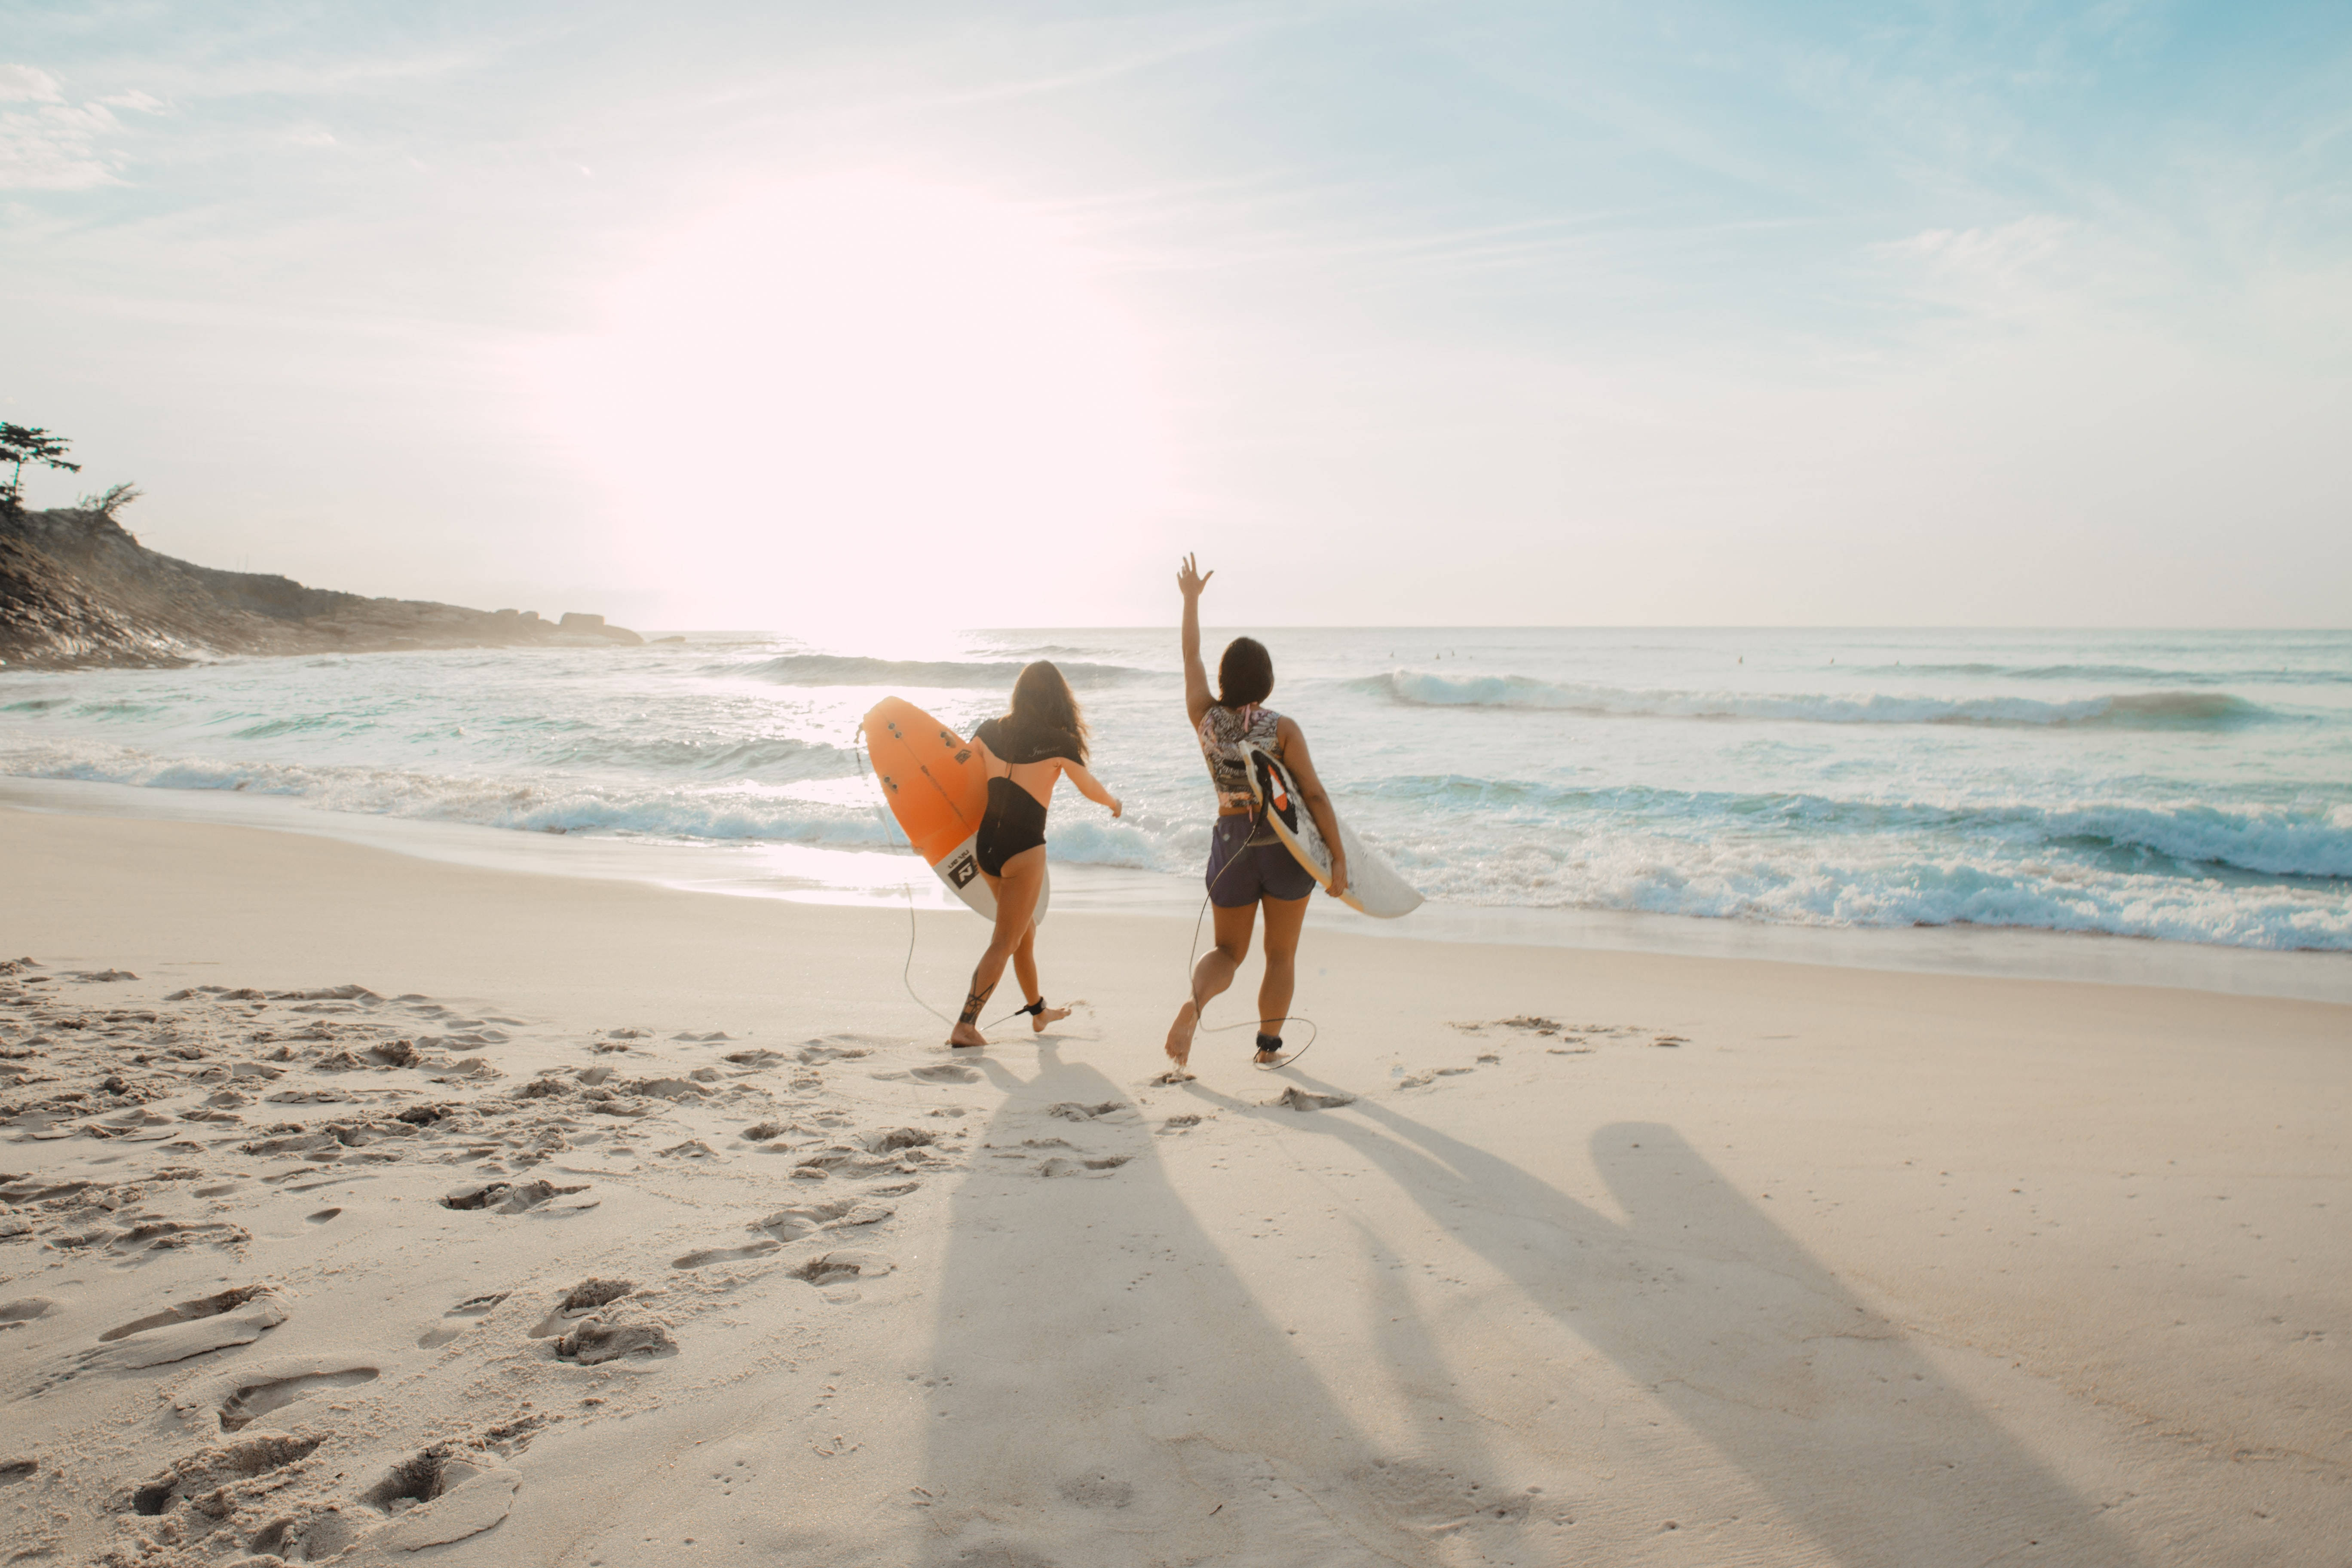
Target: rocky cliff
{"type": "Point", "coordinates": [76, 589]}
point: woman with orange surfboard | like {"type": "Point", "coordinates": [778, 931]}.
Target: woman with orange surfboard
{"type": "Point", "coordinates": [1249, 869]}
{"type": "Point", "coordinates": [1040, 740]}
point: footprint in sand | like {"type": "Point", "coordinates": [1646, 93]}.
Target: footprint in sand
{"type": "Point", "coordinates": [151, 1236]}
{"type": "Point", "coordinates": [441, 1494]}
{"type": "Point", "coordinates": [621, 1329]}
{"type": "Point", "coordinates": [15, 1314]}
{"type": "Point", "coordinates": [578, 1302]}
{"type": "Point", "coordinates": [1103, 1166]}
{"type": "Point", "coordinates": [186, 1312]}
{"type": "Point", "coordinates": [1302, 1099]}
{"type": "Point", "coordinates": [830, 1268]}
{"type": "Point", "coordinates": [215, 1470]}
{"type": "Point", "coordinates": [1070, 1110]}
{"type": "Point", "coordinates": [807, 1219]}
{"type": "Point", "coordinates": [950, 1072]}
{"type": "Point", "coordinates": [241, 1408]}
{"type": "Point", "coordinates": [473, 1308]}
{"type": "Point", "coordinates": [709, 1255]}
{"type": "Point", "coordinates": [503, 1197]}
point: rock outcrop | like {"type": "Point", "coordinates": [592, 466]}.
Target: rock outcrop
{"type": "Point", "coordinates": [76, 589]}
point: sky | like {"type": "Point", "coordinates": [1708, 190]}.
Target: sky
{"type": "Point", "coordinates": [864, 321]}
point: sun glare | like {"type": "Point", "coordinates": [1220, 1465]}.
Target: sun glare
{"type": "Point", "coordinates": [862, 401]}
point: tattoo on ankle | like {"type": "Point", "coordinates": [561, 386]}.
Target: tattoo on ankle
{"type": "Point", "coordinates": [973, 1001]}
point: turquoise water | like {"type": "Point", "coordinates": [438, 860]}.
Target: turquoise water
{"type": "Point", "coordinates": [2189, 786]}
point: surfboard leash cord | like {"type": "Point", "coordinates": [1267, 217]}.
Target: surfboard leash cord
{"type": "Point", "coordinates": [906, 968]}
{"type": "Point", "coordinates": [1200, 1007]}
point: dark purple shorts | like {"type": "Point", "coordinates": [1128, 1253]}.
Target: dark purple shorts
{"type": "Point", "coordinates": [1241, 872]}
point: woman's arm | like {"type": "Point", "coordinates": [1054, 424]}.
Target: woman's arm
{"type": "Point", "coordinates": [1189, 581]}
{"type": "Point", "coordinates": [1291, 741]}
{"type": "Point", "coordinates": [1091, 787]}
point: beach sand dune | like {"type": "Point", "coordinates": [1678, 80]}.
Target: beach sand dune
{"type": "Point", "coordinates": [365, 1208]}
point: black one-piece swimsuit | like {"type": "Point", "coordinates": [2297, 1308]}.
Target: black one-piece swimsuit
{"type": "Point", "coordinates": [1015, 819]}
{"type": "Point", "coordinates": [1013, 822]}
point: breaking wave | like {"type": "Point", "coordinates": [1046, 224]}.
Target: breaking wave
{"type": "Point", "coordinates": [2138, 789]}
{"type": "Point", "coordinates": [2287, 675]}
{"type": "Point", "coordinates": [721, 813]}
{"type": "Point", "coordinates": [2138, 710]}
{"type": "Point", "coordinates": [845, 669]}
{"type": "Point", "coordinates": [2265, 841]}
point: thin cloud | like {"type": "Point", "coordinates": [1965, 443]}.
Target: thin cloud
{"type": "Point", "coordinates": [48, 143]}
{"type": "Point", "coordinates": [55, 147]}
{"type": "Point", "coordinates": [29, 84]}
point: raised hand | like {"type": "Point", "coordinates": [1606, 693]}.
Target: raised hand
{"type": "Point", "coordinates": [1190, 579]}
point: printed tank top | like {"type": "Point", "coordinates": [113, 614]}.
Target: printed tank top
{"type": "Point", "coordinates": [1223, 731]}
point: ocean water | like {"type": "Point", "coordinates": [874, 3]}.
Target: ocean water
{"type": "Point", "coordinates": [2187, 786]}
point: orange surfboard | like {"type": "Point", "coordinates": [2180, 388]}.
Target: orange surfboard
{"type": "Point", "coordinates": [934, 783]}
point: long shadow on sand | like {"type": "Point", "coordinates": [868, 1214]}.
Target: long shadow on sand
{"type": "Point", "coordinates": [1704, 1301]}
{"type": "Point", "coordinates": [1104, 1389]}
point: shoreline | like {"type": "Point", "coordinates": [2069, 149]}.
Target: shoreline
{"type": "Point", "coordinates": [881, 879]}
{"type": "Point", "coordinates": [1538, 1252]}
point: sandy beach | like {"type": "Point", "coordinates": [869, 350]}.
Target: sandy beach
{"type": "Point", "coordinates": [361, 1205]}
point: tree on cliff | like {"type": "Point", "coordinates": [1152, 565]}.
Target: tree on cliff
{"type": "Point", "coordinates": [23, 444]}
{"type": "Point", "coordinates": [109, 500]}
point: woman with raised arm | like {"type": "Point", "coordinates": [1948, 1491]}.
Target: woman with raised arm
{"type": "Point", "coordinates": [1249, 867]}
{"type": "Point", "coordinates": [1040, 740]}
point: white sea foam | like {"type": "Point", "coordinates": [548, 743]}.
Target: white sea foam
{"type": "Point", "coordinates": [840, 670]}
{"type": "Point", "coordinates": [2153, 710]}
{"type": "Point", "coordinates": [720, 813]}
{"type": "Point", "coordinates": [2084, 782]}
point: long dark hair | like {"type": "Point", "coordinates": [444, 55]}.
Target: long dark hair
{"type": "Point", "coordinates": [1245, 675]}
{"type": "Point", "coordinates": [1042, 706]}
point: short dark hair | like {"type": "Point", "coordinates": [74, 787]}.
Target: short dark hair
{"type": "Point", "coordinates": [1245, 675]}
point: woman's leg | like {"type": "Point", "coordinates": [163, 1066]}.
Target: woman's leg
{"type": "Point", "coordinates": [1212, 974]}
{"type": "Point", "coordinates": [1285, 918]}
{"type": "Point", "coordinates": [1016, 902]}
{"type": "Point", "coordinates": [1024, 970]}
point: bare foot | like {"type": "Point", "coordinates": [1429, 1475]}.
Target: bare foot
{"type": "Point", "coordinates": [1267, 1058]}
{"type": "Point", "coordinates": [1179, 1034]}
{"type": "Point", "coordinates": [1037, 1021]}
{"type": "Point", "coordinates": [967, 1036]}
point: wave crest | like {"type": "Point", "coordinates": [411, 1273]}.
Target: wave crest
{"type": "Point", "coordinates": [2134, 709]}
{"type": "Point", "coordinates": [847, 669]}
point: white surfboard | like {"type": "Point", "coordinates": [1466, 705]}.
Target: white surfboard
{"type": "Point", "coordinates": [1373, 885]}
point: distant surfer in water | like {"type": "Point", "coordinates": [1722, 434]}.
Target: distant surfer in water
{"type": "Point", "coordinates": [1041, 739]}
{"type": "Point", "coordinates": [1249, 867]}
